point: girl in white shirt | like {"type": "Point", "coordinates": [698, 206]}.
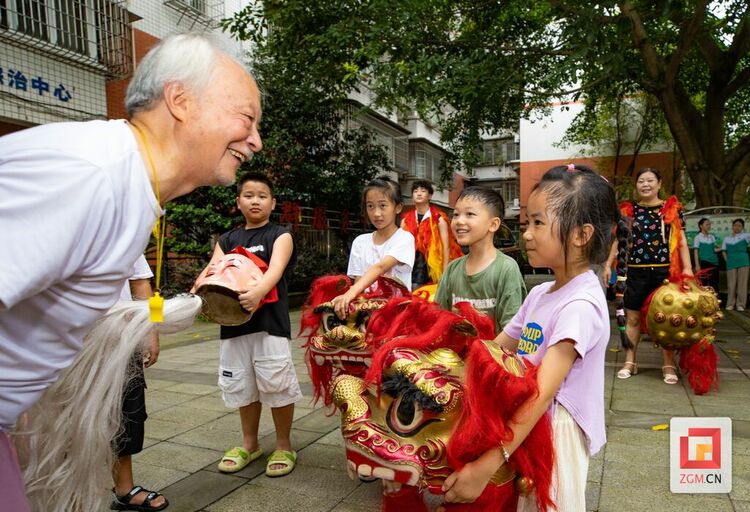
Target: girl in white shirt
{"type": "Point", "coordinates": [389, 251]}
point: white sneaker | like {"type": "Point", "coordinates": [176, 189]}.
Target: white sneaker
{"type": "Point", "coordinates": [740, 308]}
{"type": "Point", "coordinates": [729, 308]}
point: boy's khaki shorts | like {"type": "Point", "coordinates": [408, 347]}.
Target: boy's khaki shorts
{"type": "Point", "coordinates": [257, 367]}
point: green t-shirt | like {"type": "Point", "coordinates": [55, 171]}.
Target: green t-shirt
{"type": "Point", "coordinates": [706, 245]}
{"type": "Point", "coordinates": [735, 247]}
{"type": "Point", "coordinates": [497, 291]}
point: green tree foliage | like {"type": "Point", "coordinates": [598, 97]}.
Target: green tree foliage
{"type": "Point", "coordinates": [481, 64]}
{"type": "Point", "coordinates": [618, 127]}
{"type": "Point", "coordinates": [308, 152]}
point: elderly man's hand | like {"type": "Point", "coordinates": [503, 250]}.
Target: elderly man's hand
{"type": "Point", "coordinates": [151, 351]}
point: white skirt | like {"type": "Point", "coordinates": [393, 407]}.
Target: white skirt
{"type": "Point", "coordinates": [571, 468]}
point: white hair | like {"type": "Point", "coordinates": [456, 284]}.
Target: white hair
{"type": "Point", "coordinates": [188, 58]}
{"type": "Point", "coordinates": [65, 441]}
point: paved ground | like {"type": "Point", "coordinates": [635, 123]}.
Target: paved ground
{"type": "Point", "coordinates": [188, 429]}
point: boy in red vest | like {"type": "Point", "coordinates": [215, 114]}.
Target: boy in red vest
{"type": "Point", "coordinates": [435, 244]}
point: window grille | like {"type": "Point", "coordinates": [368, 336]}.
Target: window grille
{"type": "Point", "coordinates": [203, 12]}
{"type": "Point", "coordinates": [89, 33]}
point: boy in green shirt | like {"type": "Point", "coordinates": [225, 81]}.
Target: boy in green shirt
{"type": "Point", "coordinates": [486, 278]}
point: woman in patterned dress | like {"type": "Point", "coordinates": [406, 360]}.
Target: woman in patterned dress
{"type": "Point", "coordinates": [658, 243]}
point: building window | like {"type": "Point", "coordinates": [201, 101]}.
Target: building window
{"type": "Point", "coordinates": [70, 17]}
{"type": "Point", "coordinates": [393, 142]}
{"type": "Point", "coordinates": [509, 189]}
{"type": "Point", "coordinates": [425, 161]}
{"type": "Point", "coordinates": [32, 18]}
{"type": "Point", "coordinates": [92, 33]}
{"type": "Point", "coordinates": [498, 152]}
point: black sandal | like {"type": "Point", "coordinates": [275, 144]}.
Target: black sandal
{"type": "Point", "coordinates": [123, 502]}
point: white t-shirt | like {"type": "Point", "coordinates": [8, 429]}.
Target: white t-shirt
{"type": "Point", "coordinates": [365, 254]}
{"type": "Point", "coordinates": [76, 210]}
{"type": "Point", "coordinates": [141, 270]}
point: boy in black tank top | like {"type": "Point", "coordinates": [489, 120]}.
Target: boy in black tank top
{"type": "Point", "coordinates": [255, 364]}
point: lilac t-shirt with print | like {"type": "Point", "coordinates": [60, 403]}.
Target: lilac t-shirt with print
{"type": "Point", "coordinates": [577, 311]}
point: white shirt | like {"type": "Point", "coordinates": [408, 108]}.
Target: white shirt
{"type": "Point", "coordinates": [141, 270]}
{"type": "Point", "coordinates": [76, 211]}
{"type": "Point", "coordinates": [365, 254]}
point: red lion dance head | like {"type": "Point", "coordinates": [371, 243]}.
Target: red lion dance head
{"type": "Point", "coordinates": [435, 398]}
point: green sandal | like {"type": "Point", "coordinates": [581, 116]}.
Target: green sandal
{"type": "Point", "coordinates": [286, 458]}
{"type": "Point", "coordinates": [240, 458]}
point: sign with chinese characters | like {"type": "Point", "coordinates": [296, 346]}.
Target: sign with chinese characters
{"type": "Point", "coordinates": [17, 80]}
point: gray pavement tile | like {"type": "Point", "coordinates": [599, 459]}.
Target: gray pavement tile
{"type": "Point", "coordinates": [593, 490]}
{"type": "Point", "coordinates": [348, 506]}
{"type": "Point", "coordinates": [176, 356]}
{"type": "Point", "coordinates": [638, 498]}
{"type": "Point", "coordinates": [637, 397]}
{"type": "Point", "coordinates": [150, 441]}
{"type": "Point", "coordinates": [178, 456]}
{"type": "Point", "coordinates": [595, 470]}
{"type": "Point", "coordinates": [210, 403]}
{"type": "Point", "coordinates": [317, 421]}
{"type": "Point", "coordinates": [231, 422]}
{"type": "Point", "coordinates": [199, 490]}
{"type": "Point", "coordinates": [211, 369]}
{"type": "Point", "coordinates": [636, 447]}
{"type": "Point", "coordinates": [162, 399]}
{"type": "Point", "coordinates": [156, 478]}
{"type": "Point", "coordinates": [312, 481]}
{"type": "Point", "coordinates": [629, 419]}
{"type": "Point", "coordinates": [740, 476]}
{"type": "Point", "coordinates": [259, 498]}
{"type": "Point", "coordinates": [367, 496]}
{"type": "Point", "coordinates": [301, 409]}
{"type": "Point", "coordinates": [184, 414]}
{"type": "Point", "coordinates": [162, 430]}
{"type": "Point", "coordinates": [730, 390]}
{"type": "Point", "coordinates": [193, 388]}
{"type": "Point", "coordinates": [727, 408]}
{"type": "Point", "coordinates": [155, 384]}
{"type": "Point", "coordinates": [204, 376]}
{"type": "Point", "coordinates": [323, 456]}
{"type": "Point", "coordinates": [741, 506]}
{"type": "Point", "coordinates": [740, 445]}
{"type": "Point", "coordinates": [333, 438]}
{"type": "Point", "coordinates": [210, 438]}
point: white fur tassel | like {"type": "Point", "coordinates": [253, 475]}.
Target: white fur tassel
{"type": "Point", "coordinates": [65, 441]}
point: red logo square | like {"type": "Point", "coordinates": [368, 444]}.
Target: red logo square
{"type": "Point", "coordinates": [699, 462]}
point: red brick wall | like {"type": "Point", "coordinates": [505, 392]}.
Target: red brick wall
{"type": "Point", "coordinates": [458, 186]}
{"type": "Point", "coordinates": [6, 128]}
{"type": "Point", "coordinates": [116, 88]}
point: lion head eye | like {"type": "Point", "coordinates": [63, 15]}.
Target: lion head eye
{"type": "Point", "coordinates": [329, 320]}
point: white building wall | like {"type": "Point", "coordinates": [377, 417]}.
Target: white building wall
{"type": "Point", "coordinates": [80, 93]}
{"type": "Point", "coordinates": [539, 137]}
{"type": "Point", "coordinates": [161, 21]}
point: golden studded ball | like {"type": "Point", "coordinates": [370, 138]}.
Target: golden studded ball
{"type": "Point", "coordinates": [682, 313]}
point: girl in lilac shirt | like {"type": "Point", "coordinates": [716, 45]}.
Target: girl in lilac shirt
{"type": "Point", "coordinates": [562, 326]}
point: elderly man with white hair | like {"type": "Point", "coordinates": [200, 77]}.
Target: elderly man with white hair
{"type": "Point", "coordinates": [78, 202]}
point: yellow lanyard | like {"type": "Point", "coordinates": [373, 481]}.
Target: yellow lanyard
{"type": "Point", "coordinates": [156, 302]}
